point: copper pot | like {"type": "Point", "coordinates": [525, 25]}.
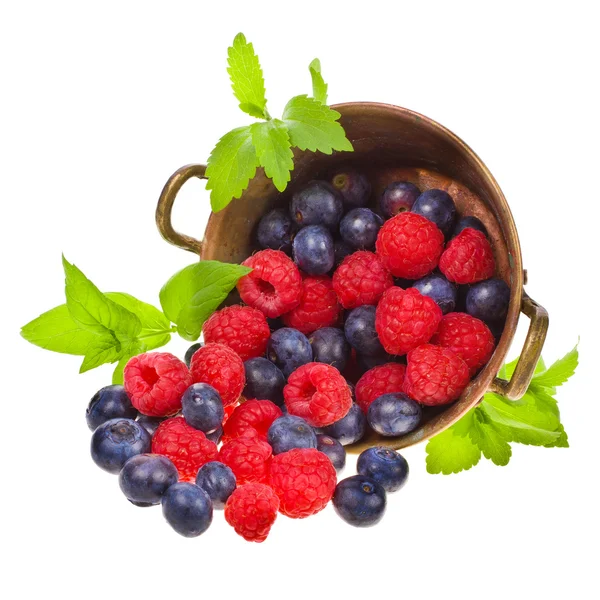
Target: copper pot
{"type": "Point", "coordinates": [391, 143]}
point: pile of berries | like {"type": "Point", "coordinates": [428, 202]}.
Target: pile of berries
{"type": "Point", "coordinates": [353, 319]}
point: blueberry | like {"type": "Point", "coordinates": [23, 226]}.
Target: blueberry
{"type": "Point", "coordinates": [290, 432]}
{"type": "Point", "coordinates": [264, 380]}
{"type": "Point", "coordinates": [150, 424]}
{"type": "Point", "coordinates": [359, 227]}
{"type": "Point", "coordinates": [146, 477]}
{"type": "Point", "coordinates": [394, 414]}
{"type": "Point", "coordinates": [472, 222]}
{"type": "Point", "coordinates": [313, 250]}
{"type": "Point", "coordinates": [317, 204]}
{"type": "Point", "coordinates": [388, 468]}
{"type": "Point", "coordinates": [359, 500]}
{"type": "Point", "coordinates": [191, 351]}
{"type": "Point", "coordinates": [359, 329]}
{"type": "Point", "coordinates": [187, 509]}
{"type": "Point", "coordinates": [439, 289]}
{"type": "Point", "coordinates": [111, 402]}
{"type": "Point", "coordinates": [215, 435]}
{"type": "Point", "coordinates": [333, 450]}
{"type": "Point", "coordinates": [276, 230]}
{"type": "Point", "coordinates": [403, 283]}
{"type": "Point", "coordinates": [341, 250]}
{"type": "Point", "coordinates": [350, 428]}
{"type": "Point", "coordinates": [275, 323]}
{"type": "Point", "coordinates": [488, 300]}
{"type": "Point", "coordinates": [202, 407]}
{"type": "Point", "coordinates": [218, 481]}
{"type": "Point", "coordinates": [329, 345]}
{"type": "Point", "coordinates": [117, 440]}
{"type": "Point", "coordinates": [438, 207]}
{"type": "Point", "coordinates": [289, 349]}
{"type": "Point", "coordinates": [398, 197]}
{"type": "Point", "coordinates": [366, 362]}
{"type": "Point", "coordinates": [353, 186]}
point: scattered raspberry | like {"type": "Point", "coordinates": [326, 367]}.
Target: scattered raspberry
{"type": "Point", "coordinates": [319, 306]}
{"type": "Point", "coordinates": [251, 510]}
{"type": "Point", "coordinates": [219, 366]}
{"type": "Point", "coordinates": [435, 375]}
{"type": "Point", "coordinates": [304, 480]}
{"type": "Point", "coordinates": [247, 456]}
{"type": "Point", "coordinates": [253, 414]}
{"type": "Point", "coordinates": [409, 245]}
{"type": "Point", "coordinates": [361, 279]}
{"type": "Point", "coordinates": [384, 379]}
{"type": "Point", "coordinates": [467, 337]}
{"type": "Point", "coordinates": [186, 447]}
{"type": "Point", "coordinates": [274, 286]}
{"type": "Point", "coordinates": [155, 383]}
{"type": "Point", "coordinates": [468, 258]}
{"type": "Point", "coordinates": [406, 319]}
{"type": "Point", "coordinates": [243, 328]}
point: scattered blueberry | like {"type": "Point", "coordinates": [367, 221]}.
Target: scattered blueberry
{"type": "Point", "coordinates": [264, 380]}
{"type": "Point", "coordinates": [438, 207]}
{"type": "Point", "coordinates": [488, 300]}
{"type": "Point", "coordinates": [313, 250]}
{"type": "Point", "coordinates": [215, 435]}
{"type": "Point", "coordinates": [191, 351]}
{"type": "Point", "coordinates": [398, 197]}
{"type": "Point", "coordinates": [111, 402]}
{"type": "Point", "coordinates": [218, 481]}
{"type": "Point", "coordinates": [439, 289]}
{"type": "Point", "coordinates": [353, 186]}
{"type": "Point", "coordinates": [359, 500]}
{"type": "Point", "coordinates": [341, 250]}
{"type": "Point", "coordinates": [146, 477]}
{"type": "Point", "coordinates": [394, 414]}
{"type": "Point", "coordinates": [202, 407]}
{"type": "Point", "coordinates": [330, 346]}
{"type": "Point", "coordinates": [317, 204]}
{"type": "Point", "coordinates": [359, 227]}
{"type": "Point", "coordinates": [276, 230]}
{"type": "Point", "coordinates": [187, 509]}
{"type": "Point", "coordinates": [333, 450]}
{"type": "Point", "coordinates": [350, 428]}
{"type": "Point", "coordinates": [366, 362]}
{"type": "Point", "coordinates": [388, 468]}
{"type": "Point", "coordinates": [289, 349]}
{"type": "Point", "coordinates": [359, 329]}
{"type": "Point", "coordinates": [150, 424]}
{"type": "Point", "coordinates": [472, 222]}
{"type": "Point", "coordinates": [290, 432]}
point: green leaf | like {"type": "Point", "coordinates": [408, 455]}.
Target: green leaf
{"type": "Point", "coordinates": [105, 349]}
{"type": "Point", "coordinates": [489, 440]}
{"type": "Point", "coordinates": [559, 372]}
{"type": "Point", "coordinates": [246, 77]}
{"type": "Point", "coordinates": [508, 369]}
{"type": "Point", "coordinates": [541, 366]}
{"type": "Point", "coordinates": [231, 166]}
{"type": "Point", "coordinates": [117, 378]}
{"type": "Point", "coordinates": [272, 144]}
{"type": "Point", "coordinates": [313, 126]}
{"type": "Point", "coordinates": [450, 453]}
{"type": "Point", "coordinates": [528, 413]}
{"type": "Point", "coordinates": [318, 84]}
{"type": "Point", "coordinates": [562, 440]}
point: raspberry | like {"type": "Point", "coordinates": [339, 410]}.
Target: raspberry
{"type": "Point", "coordinates": [435, 375]}
{"type": "Point", "coordinates": [155, 383]}
{"type": "Point", "coordinates": [468, 258]}
{"type": "Point", "coordinates": [274, 286]}
{"type": "Point", "coordinates": [242, 328]}
{"type": "Point", "coordinates": [251, 510]}
{"type": "Point", "coordinates": [186, 447]}
{"type": "Point", "coordinates": [405, 319]}
{"type": "Point", "coordinates": [304, 480]}
{"type": "Point", "coordinates": [247, 456]}
{"type": "Point", "coordinates": [317, 393]}
{"type": "Point", "coordinates": [319, 306]}
{"type": "Point", "coordinates": [253, 414]}
{"type": "Point", "coordinates": [361, 279]}
{"type": "Point", "coordinates": [467, 337]}
{"type": "Point", "coordinates": [409, 245]}
{"type": "Point", "coordinates": [219, 366]}
{"type": "Point", "coordinates": [384, 379]}
{"type": "Point", "coordinates": [229, 411]}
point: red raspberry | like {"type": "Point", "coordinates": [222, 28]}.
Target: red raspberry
{"type": "Point", "coordinates": [243, 328]}
{"type": "Point", "coordinates": [467, 337]}
{"type": "Point", "coordinates": [229, 411]}
{"type": "Point", "coordinates": [317, 393]}
{"type": "Point", "coordinates": [405, 319]}
{"type": "Point", "coordinates": [361, 279]}
{"type": "Point", "coordinates": [219, 366]}
{"type": "Point", "coordinates": [409, 245]}
{"type": "Point", "coordinates": [383, 379]}
{"type": "Point", "coordinates": [435, 375]}
{"type": "Point", "coordinates": [253, 414]}
{"type": "Point", "coordinates": [251, 510]}
{"type": "Point", "coordinates": [155, 383]}
{"type": "Point", "coordinates": [185, 446]}
{"type": "Point", "coordinates": [468, 258]}
{"type": "Point", "coordinates": [274, 286]}
{"type": "Point", "coordinates": [319, 306]}
{"type": "Point", "coordinates": [304, 480]}
{"type": "Point", "coordinates": [248, 456]}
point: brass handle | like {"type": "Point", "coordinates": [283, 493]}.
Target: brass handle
{"type": "Point", "coordinates": [532, 349]}
{"type": "Point", "coordinates": [165, 206]}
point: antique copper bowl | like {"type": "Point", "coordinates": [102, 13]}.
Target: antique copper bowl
{"type": "Point", "coordinates": [391, 143]}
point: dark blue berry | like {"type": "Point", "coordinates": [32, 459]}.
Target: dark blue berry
{"type": "Point", "coordinates": [398, 197]}
{"type": "Point", "coordinates": [394, 414]}
{"type": "Point", "coordinates": [329, 345]}
{"type": "Point", "coordinates": [359, 228]}
{"type": "Point", "coordinates": [438, 207]}
{"type": "Point", "coordinates": [313, 250]}
{"type": "Point", "coordinates": [350, 428]}
{"type": "Point", "coordinates": [116, 441]}
{"type": "Point", "coordinates": [215, 435]}
{"type": "Point", "coordinates": [264, 380]}
{"type": "Point", "coordinates": [333, 450]}
{"type": "Point", "coordinates": [289, 349]}
{"type": "Point", "coordinates": [290, 432]}
{"type": "Point", "coordinates": [218, 481]}
{"type": "Point", "coordinates": [146, 477]}
{"type": "Point", "coordinates": [150, 424]}
{"type": "Point", "coordinates": [403, 283]}
{"type": "Point", "coordinates": [202, 407]}
{"type": "Point", "coordinates": [353, 186]}
{"type": "Point", "coordinates": [359, 329]}
{"type": "Point", "coordinates": [276, 230]}
{"type": "Point", "coordinates": [341, 250]}
{"type": "Point", "coordinates": [472, 222]}
{"type": "Point", "coordinates": [317, 204]}
{"type": "Point", "coordinates": [191, 351]}
{"type": "Point", "coordinates": [488, 300]}
{"type": "Point", "coordinates": [187, 509]}
{"type": "Point", "coordinates": [111, 402]}
{"type": "Point", "coordinates": [366, 362]}
{"type": "Point", "coordinates": [439, 289]}
{"type": "Point", "coordinates": [388, 468]}
{"type": "Point", "coordinates": [359, 500]}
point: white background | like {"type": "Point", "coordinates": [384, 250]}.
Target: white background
{"type": "Point", "coordinates": [101, 101]}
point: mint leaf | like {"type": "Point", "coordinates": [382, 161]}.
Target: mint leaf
{"type": "Point", "coordinates": [318, 84]}
{"type": "Point", "coordinates": [272, 144]}
{"type": "Point", "coordinates": [562, 440]}
{"type": "Point", "coordinates": [231, 166]}
{"type": "Point", "coordinates": [527, 413]}
{"type": "Point", "coordinates": [104, 349]}
{"type": "Point", "coordinates": [559, 372]}
{"type": "Point", "coordinates": [313, 126]}
{"type": "Point", "coordinates": [246, 77]}
{"type": "Point", "coordinates": [489, 440]}
{"type": "Point", "coordinates": [117, 378]}
{"type": "Point", "coordinates": [450, 453]}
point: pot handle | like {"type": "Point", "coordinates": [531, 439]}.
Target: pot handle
{"type": "Point", "coordinates": [532, 349]}
{"type": "Point", "coordinates": [165, 206]}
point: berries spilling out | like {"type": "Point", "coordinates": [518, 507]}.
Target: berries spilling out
{"type": "Point", "coordinates": [333, 449]}
{"type": "Point", "coordinates": [392, 415]}
{"type": "Point", "coordinates": [388, 468]}
{"type": "Point", "coordinates": [248, 456]}
{"type": "Point", "coordinates": [251, 510]}
{"type": "Point", "coordinates": [360, 501]}
{"type": "Point", "coordinates": [146, 477]}
{"type": "Point", "coordinates": [187, 509]}
{"type": "Point", "coordinates": [383, 379]}
{"type": "Point", "coordinates": [218, 481]}
{"type": "Point", "coordinates": [348, 429]}
{"type": "Point", "coordinates": [329, 346]}
{"type": "Point", "coordinates": [111, 402]}
{"type": "Point", "coordinates": [290, 432]}
{"type": "Point", "coordinates": [264, 380]}
{"type": "Point", "coordinates": [253, 414]}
